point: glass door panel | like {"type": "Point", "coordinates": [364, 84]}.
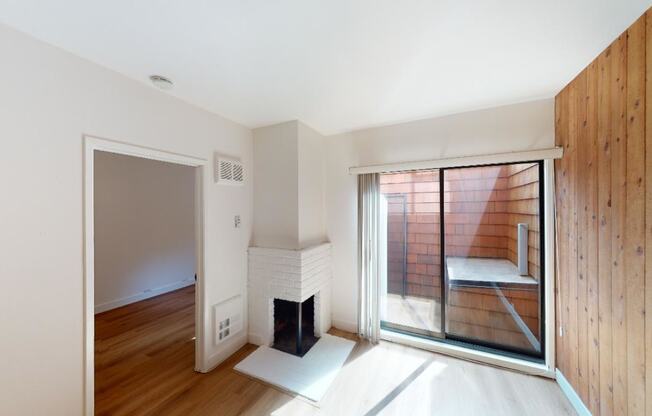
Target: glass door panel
{"type": "Point", "coordinates": [411, 284]}
{"type": "Point", "coordinates": [493, 256]}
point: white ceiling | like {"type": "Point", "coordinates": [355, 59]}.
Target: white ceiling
{"type": "Point", "coordinates": [337, 65]}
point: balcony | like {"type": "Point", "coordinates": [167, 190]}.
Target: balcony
{"type": "Point", "coordinates": [490, 217]}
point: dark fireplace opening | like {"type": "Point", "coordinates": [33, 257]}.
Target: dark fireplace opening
{"type": "Point", "coordinates": [294, 326]}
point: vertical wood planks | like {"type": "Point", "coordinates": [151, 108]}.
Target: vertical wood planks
{"type": "Point", "coordinates": [591, 202]}
{"type": "Point", "coordinates": [648, 213]}
{"type": "Point", "coordinates": [561, 234]}
{"type": "Point", "coordinates": [559, 178]}
{"type": "Point", "coordinates": [604, 227]}
{"type": "Point", "coordinates": [618, 198]}
{"type": "Point", "coordinates": [634, 238]}
{"type": "Point", "coordinates": [582, 234]}
{"type": "Point", "coordinates": [571, 200]}
{"type": "Point", "coordinates": [604, 132]}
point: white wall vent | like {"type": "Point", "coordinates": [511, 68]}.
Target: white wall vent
{"type": "Point", "coordinates": [228, 171]}
{"type": "Point", "coordinates": [227, 318]}
{"type": "Point", "coordinates": [238, 173]}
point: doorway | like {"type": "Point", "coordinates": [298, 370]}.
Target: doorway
{"type": "Point", "coordinates": [464, 256]}
{"type": "Point", "coordinates": [185, 260]}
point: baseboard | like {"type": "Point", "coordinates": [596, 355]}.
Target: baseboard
{"type": "Point", "coordinates": [572, 395]}
{"type": "Point", "coordinates": [345, 326]}
{"type": "Point", "coordinates": [255, 339]}
{"type": "Point", "coordinates": [478, 356]}
{"type": "Point", "coordinates": [143, 295]}
{"type": "Point", "coordinates": [225, 351]}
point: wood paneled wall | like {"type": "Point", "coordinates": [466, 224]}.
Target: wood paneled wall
{"type": "Point", "coordinates": [604, 222]}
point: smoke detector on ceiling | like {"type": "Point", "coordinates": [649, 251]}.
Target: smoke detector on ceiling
{"type": "Point", "coordinates": [161, 82]}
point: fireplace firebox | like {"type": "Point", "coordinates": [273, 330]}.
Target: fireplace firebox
{"type": "Point", "coordinates": [294, 326]}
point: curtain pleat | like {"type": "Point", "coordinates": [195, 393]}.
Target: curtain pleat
{"type": "Point", "coordinates": [368, 255]}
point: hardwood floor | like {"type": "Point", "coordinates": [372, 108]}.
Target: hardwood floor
{"type": "Point", "coordinates": [144, 357]}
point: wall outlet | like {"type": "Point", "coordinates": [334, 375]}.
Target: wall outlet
{"type": "Point", "coordinates": [236, 221]}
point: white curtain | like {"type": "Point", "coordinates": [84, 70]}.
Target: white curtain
{"type": "Point", "coordinates": [368, 255]}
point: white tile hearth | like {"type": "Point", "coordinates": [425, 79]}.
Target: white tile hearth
{"type": "Point", "coordinates": [309, 376]}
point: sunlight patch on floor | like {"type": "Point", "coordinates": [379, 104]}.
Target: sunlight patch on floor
{"type": "Point", "coordinates": [413, 312]}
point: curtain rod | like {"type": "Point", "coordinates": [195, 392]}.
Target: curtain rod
{"type": "Point", "coordinates": [496, 158]}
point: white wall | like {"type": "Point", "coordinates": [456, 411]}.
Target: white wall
{"type": "Point", "coordinates": [276, 188]}
{"type": "Point", "coordinates": [144, 228]}
{"type": "Point", "coordinates": [311, 187]}
{"type": "Point", "coordinates": [289, 187]}
{"type": "Point", "coordinates": [525, 126]}
{"type": "Point", "coordinates": [518, 127]}
{"type": "Point", "coordinates": [341, 204]}
{"type": "Point", "coordinates": [49, 99]}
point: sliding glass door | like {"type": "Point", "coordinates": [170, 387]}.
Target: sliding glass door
{"type": "Point", "coordinates": [492, 256]}
{"type": "Point", "coordinates": [464, 255]}
{"type": "Point", "coordinates": [411, 299]}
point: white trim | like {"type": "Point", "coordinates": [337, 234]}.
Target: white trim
{"type": "Point", "coordinates": [229, 348]}
{"type": "Point", "coordinates": [441, 347]}
{"type": "Point", "coordinates": [572, 395]}
{"type": "Point", "coordinates": [123, 148]}
{"type": "Point", "coordinates": [549, 279]}
{"type": "Point", "coordinates": [150, 293]}
{"type": "Point", "coordinates": [345, 325]}
{"type": "Point", "coordinates": [254, 338]}
{"type": "Point", "coordinates": [201, 361]}
{"type": "Point", "coordinates": [91, 144]}
{"type": "Point", "coordinates": [511, 157]}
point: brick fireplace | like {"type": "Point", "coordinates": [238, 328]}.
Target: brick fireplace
{"type": "Point", "coordinates": [286, 280]}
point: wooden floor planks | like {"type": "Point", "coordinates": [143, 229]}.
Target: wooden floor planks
{"type": "Point", "coordinates": [144, 356]}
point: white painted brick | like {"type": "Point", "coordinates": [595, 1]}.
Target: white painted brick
{"type": "Point", "coordinates": [292, 275]}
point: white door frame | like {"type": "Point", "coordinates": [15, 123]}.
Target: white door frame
{"type": "Point", "coordinates": [91, 144]}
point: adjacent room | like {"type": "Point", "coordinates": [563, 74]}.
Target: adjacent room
{"type": "Point", "coordinates": [145, 261]}
{"type": "Point", "coordinates": [326, 208]}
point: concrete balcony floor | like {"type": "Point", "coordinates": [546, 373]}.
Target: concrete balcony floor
{"type": "Point", "coordinates": [412, 312]}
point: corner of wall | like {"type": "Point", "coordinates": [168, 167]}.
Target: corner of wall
{"type": "Point", "coordinates": [225, 352]}
{"type": "Point", "coordinates": [571, 394]}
